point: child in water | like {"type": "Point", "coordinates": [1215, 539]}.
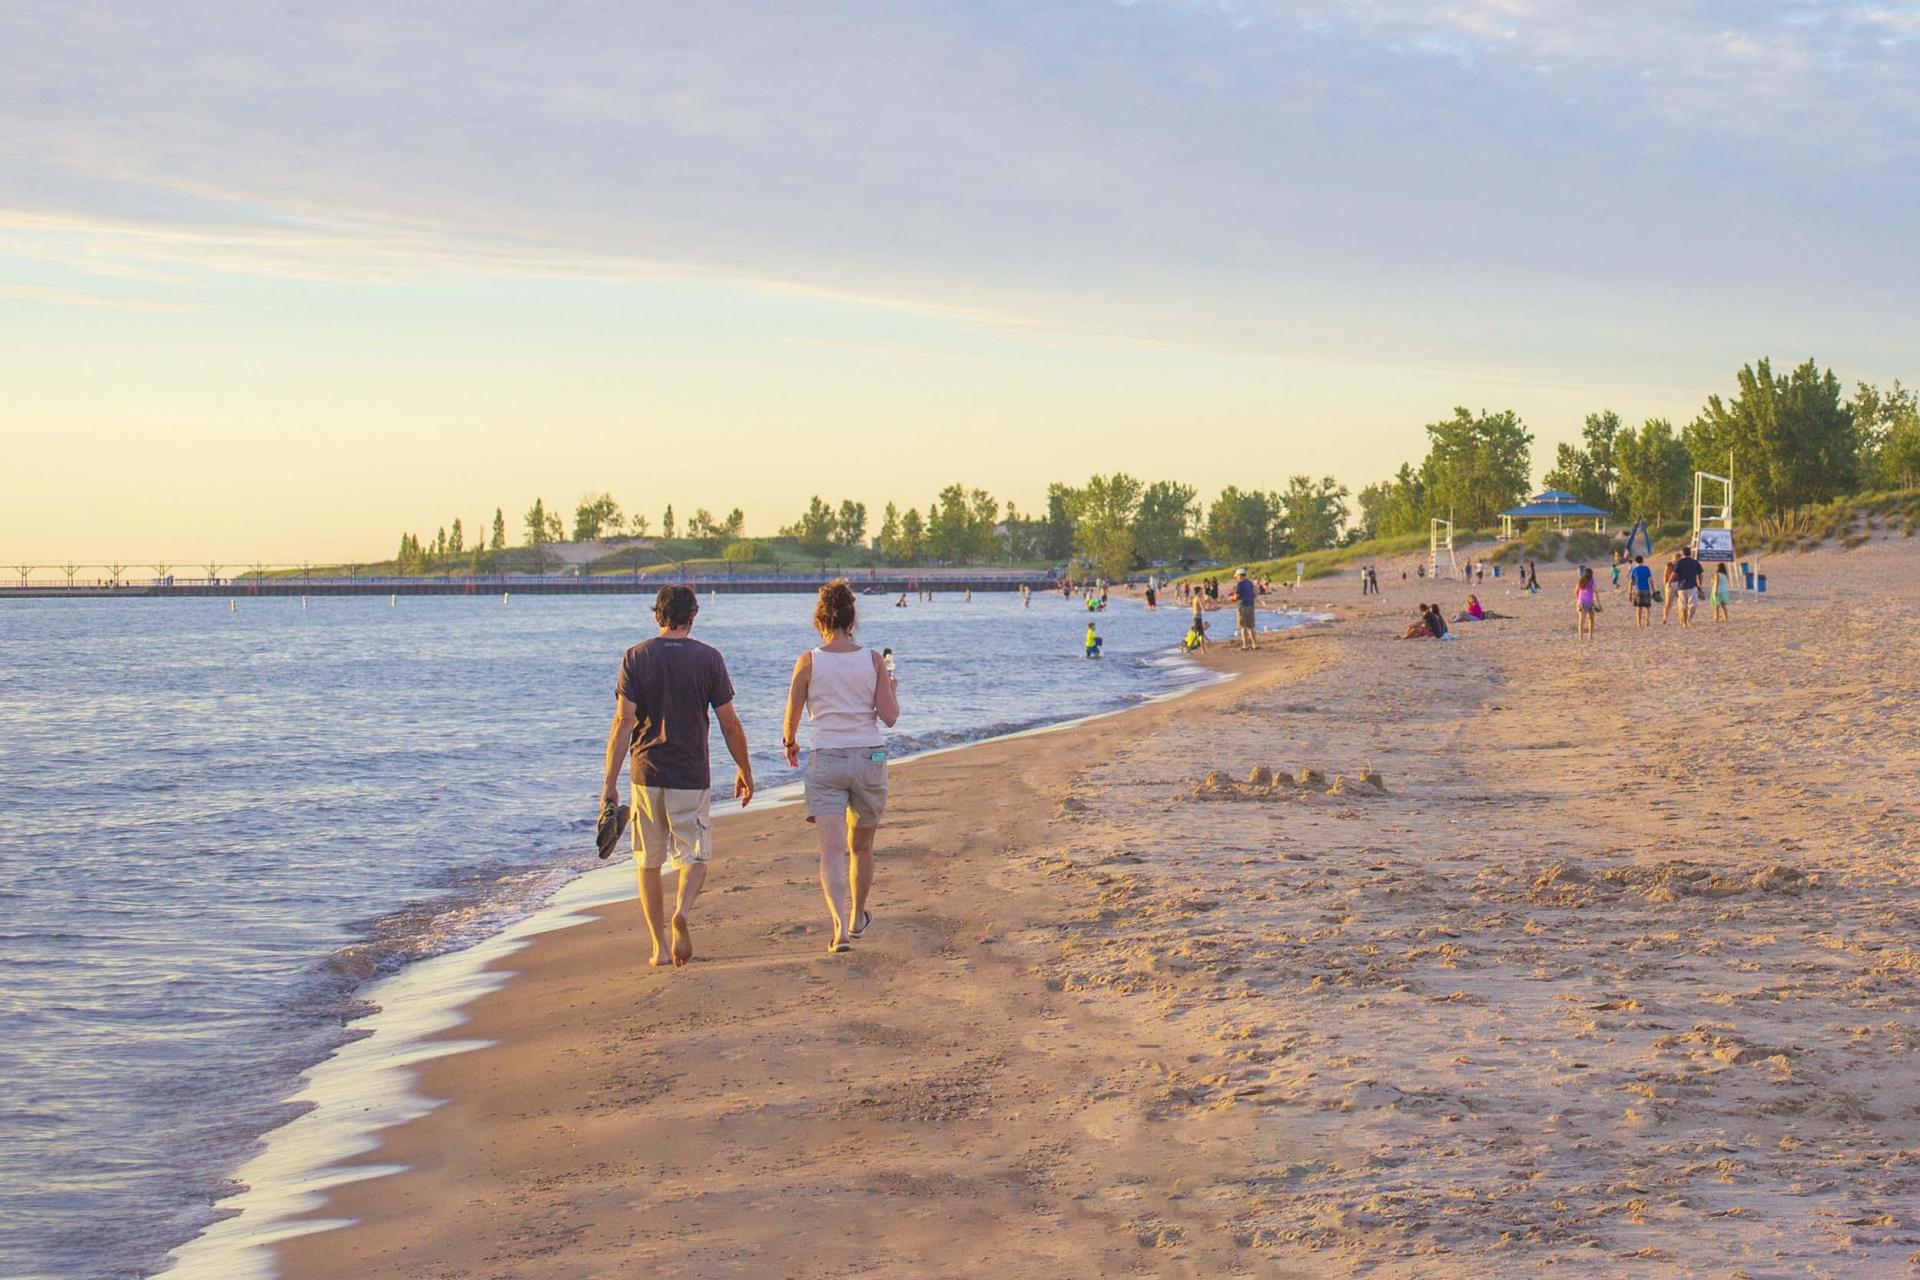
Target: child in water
{"type": "Point", "coordinates": [1196, 640]}
{"type": "Point", "coordinates": [1093, 641]}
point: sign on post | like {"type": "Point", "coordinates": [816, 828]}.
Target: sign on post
{"type": "Point", "coordinates": [1714, 545]}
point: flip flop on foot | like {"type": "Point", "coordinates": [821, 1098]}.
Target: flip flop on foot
{"type": "Point", "coordinates": [682, 942]}
{"type": "Point", "coordinates": [839, 946]}
{"type": "Point", "coordinates": [859, 929]}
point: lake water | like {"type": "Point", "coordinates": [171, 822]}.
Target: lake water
{"type": "Point", "coordinates": [215, 827]}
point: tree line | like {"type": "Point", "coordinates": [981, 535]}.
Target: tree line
{"type": "Point", "coordinates": [1791, 440]}
{"type": "Point", "coordinates": [1788, 440]}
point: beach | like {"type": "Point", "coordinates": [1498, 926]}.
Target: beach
{"type": "Point", "coordinates": [1614, 974]}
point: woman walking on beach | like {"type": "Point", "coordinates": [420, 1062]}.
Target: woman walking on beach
{"type": "Point", "coordinates": [1720, 584]}
{"type": "Point", "coordinates": [847, 694]}
{"type": "Point", "coordinates": [1584, 602]}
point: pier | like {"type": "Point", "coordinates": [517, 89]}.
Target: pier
{"type": "Point", "coordinates": [870, 581]}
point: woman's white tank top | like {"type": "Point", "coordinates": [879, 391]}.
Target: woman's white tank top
{"type": "Point", "coordinates": [840, 711]}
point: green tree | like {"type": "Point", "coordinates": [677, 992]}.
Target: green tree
{"type": "Point", "coordinates": [499, 542]}
{"type": "Point", "coordinates": [705, 530]}
{"type": "Point", "coordinates": [815, 529]}
{"type": "Point", "coordinates": [850, 529]}
{"type": "Point", "coordinates": [536, 524]}
{"type": "Point", "coordinates": [1056, 541]}
{"type": "Point", "coordinates": [1591, 471]}
{"type": "Point", "coordinates": [983, 521]}
{"type": "Point", "coordinates": [887, 541]}
{"type": "Point", "coordinates": [1404, 507]}
{"type": "Point", "coordinates": [1104, 515]}
{"type": "Point", "coordinates": [1888, 425]}
{"type": "Point", "coordinates": [1240, 525]}
{"type": "Point", "coordinates": [1476, 465]}
{"type": "Point", "coordinates": [1372, 502]}
{"type": "Point", "coordinates": [1656, 472]}
{"type": "Point", "coordinates": [456, 539]}
{"type": "Point", "coordinates": [637, 524]}
{"type": "Point", "coordinates": [1165, 514]}
{"type": "Point", "coordinates": [744, 551]}
{"type": "Point", "coordinates": [1791, 440]}
{"type": "Point", "coordinates": [949, 533]}
{"type": "Point", "coordinates": [1023, 536]}
{"type": "Point", "coordinates": [596, 514]}
{"type": "Point", "coordinates": [666, 522]}
{"type": "Point", "coordinates": [1315, 512]}
{"type": "Point", "coordinates": [913, 536]}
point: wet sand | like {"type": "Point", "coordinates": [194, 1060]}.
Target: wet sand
{"type": "Point", "coordinates": [1617, 976]}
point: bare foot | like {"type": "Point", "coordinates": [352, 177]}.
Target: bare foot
{"type": "Point", "coordinates": [682, 942]}
{"type": "Point", "coordinates": [661, 956]}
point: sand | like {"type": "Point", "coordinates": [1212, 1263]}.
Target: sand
{"type": "Point", "coordinates": [1522, 955]}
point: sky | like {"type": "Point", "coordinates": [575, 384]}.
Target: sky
{"type": "Point", "coordinates": [280, 281]}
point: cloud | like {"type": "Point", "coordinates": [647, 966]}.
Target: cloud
{"type": "Point", "coordinates": [1237, 174]}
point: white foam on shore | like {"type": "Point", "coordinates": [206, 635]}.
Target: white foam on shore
{"type": "Point", "coordinates": [366, 1086]}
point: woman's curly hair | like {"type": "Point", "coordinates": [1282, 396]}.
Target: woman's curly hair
{"type": "Point", "coordinates": [835, 612]}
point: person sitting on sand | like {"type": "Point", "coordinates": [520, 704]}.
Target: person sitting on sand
{"type": "Point", "coordinates": [666, 686]}
{"type": "Point", "coordinates": [1431, 625]}
{"type": "Point", "coordinates": [847, 694]}
{"type": "Point", "coordinates": [1473, 612]}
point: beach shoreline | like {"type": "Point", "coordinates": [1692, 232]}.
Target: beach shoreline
{"type": "Point", "coordinates": [1588, 985]}
{"type": "Point", "coordinates": [494, 1022]}
{"type": "Point", "coordinates": [348, 1099]}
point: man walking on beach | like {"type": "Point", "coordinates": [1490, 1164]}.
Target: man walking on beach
{"type": "Point", "coordinates": [1244, 596]}
{"type": "Point", "coordinates": [1687, 573]}
{"type": "Point", "coordinates": [667, 685]}
{"type": "Point", "coordinates": [1640, 588]}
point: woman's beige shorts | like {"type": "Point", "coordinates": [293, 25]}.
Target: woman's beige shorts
{"type": "Point", "coordinates": [843, 778]}
{"type": "Point", "coordinates": [671, 828]}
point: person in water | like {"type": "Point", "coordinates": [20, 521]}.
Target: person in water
{"type": "Point", "coordinates": [1093, 641]}
{"type": "Point", "coordinates": [847, 694]}
{"type": "Point", "coordinates": [667, 686]}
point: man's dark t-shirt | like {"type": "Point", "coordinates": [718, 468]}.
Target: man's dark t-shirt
{"type": "Point", "coordinates": [1244, 592]}
{"type": "Point", "coordinates": [672, 683]}
{"type": "Point", "coordinates": [1686, 573]}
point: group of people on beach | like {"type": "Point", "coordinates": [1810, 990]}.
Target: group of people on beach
{"type": "Point", "coordinates": [669, 685]}
{"type": "Point", "coordinates": [1683, 582]}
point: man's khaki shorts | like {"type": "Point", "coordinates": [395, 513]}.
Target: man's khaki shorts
{"type": "Point", "coordinates": [671, 828]}
{"type": "Point", "coordinates": [847, 778]}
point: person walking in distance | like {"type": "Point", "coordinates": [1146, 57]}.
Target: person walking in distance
{"type": "Point", "coordinates": [1640, 588]}
{"type": "Point", "coordinates": [1667, 589]}
{"type": "Point", "coordinates": [1244, 595]}
{"type": "Point", "coordinates": [847, 693]}
{"type": "Point", "coordinates": [1687, 573]}
{"type": "Point", "coordinates": [1584, 602]}
{"type": "Point", "coordinates": [667, 686]}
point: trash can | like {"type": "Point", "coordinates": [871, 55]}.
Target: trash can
{"type": "Point", "coordinates": [1761, 583]}
{"type": "Point", "coordinates": [1496, 571]}
{"type": "Point", "coordinates": [1746, 572]}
